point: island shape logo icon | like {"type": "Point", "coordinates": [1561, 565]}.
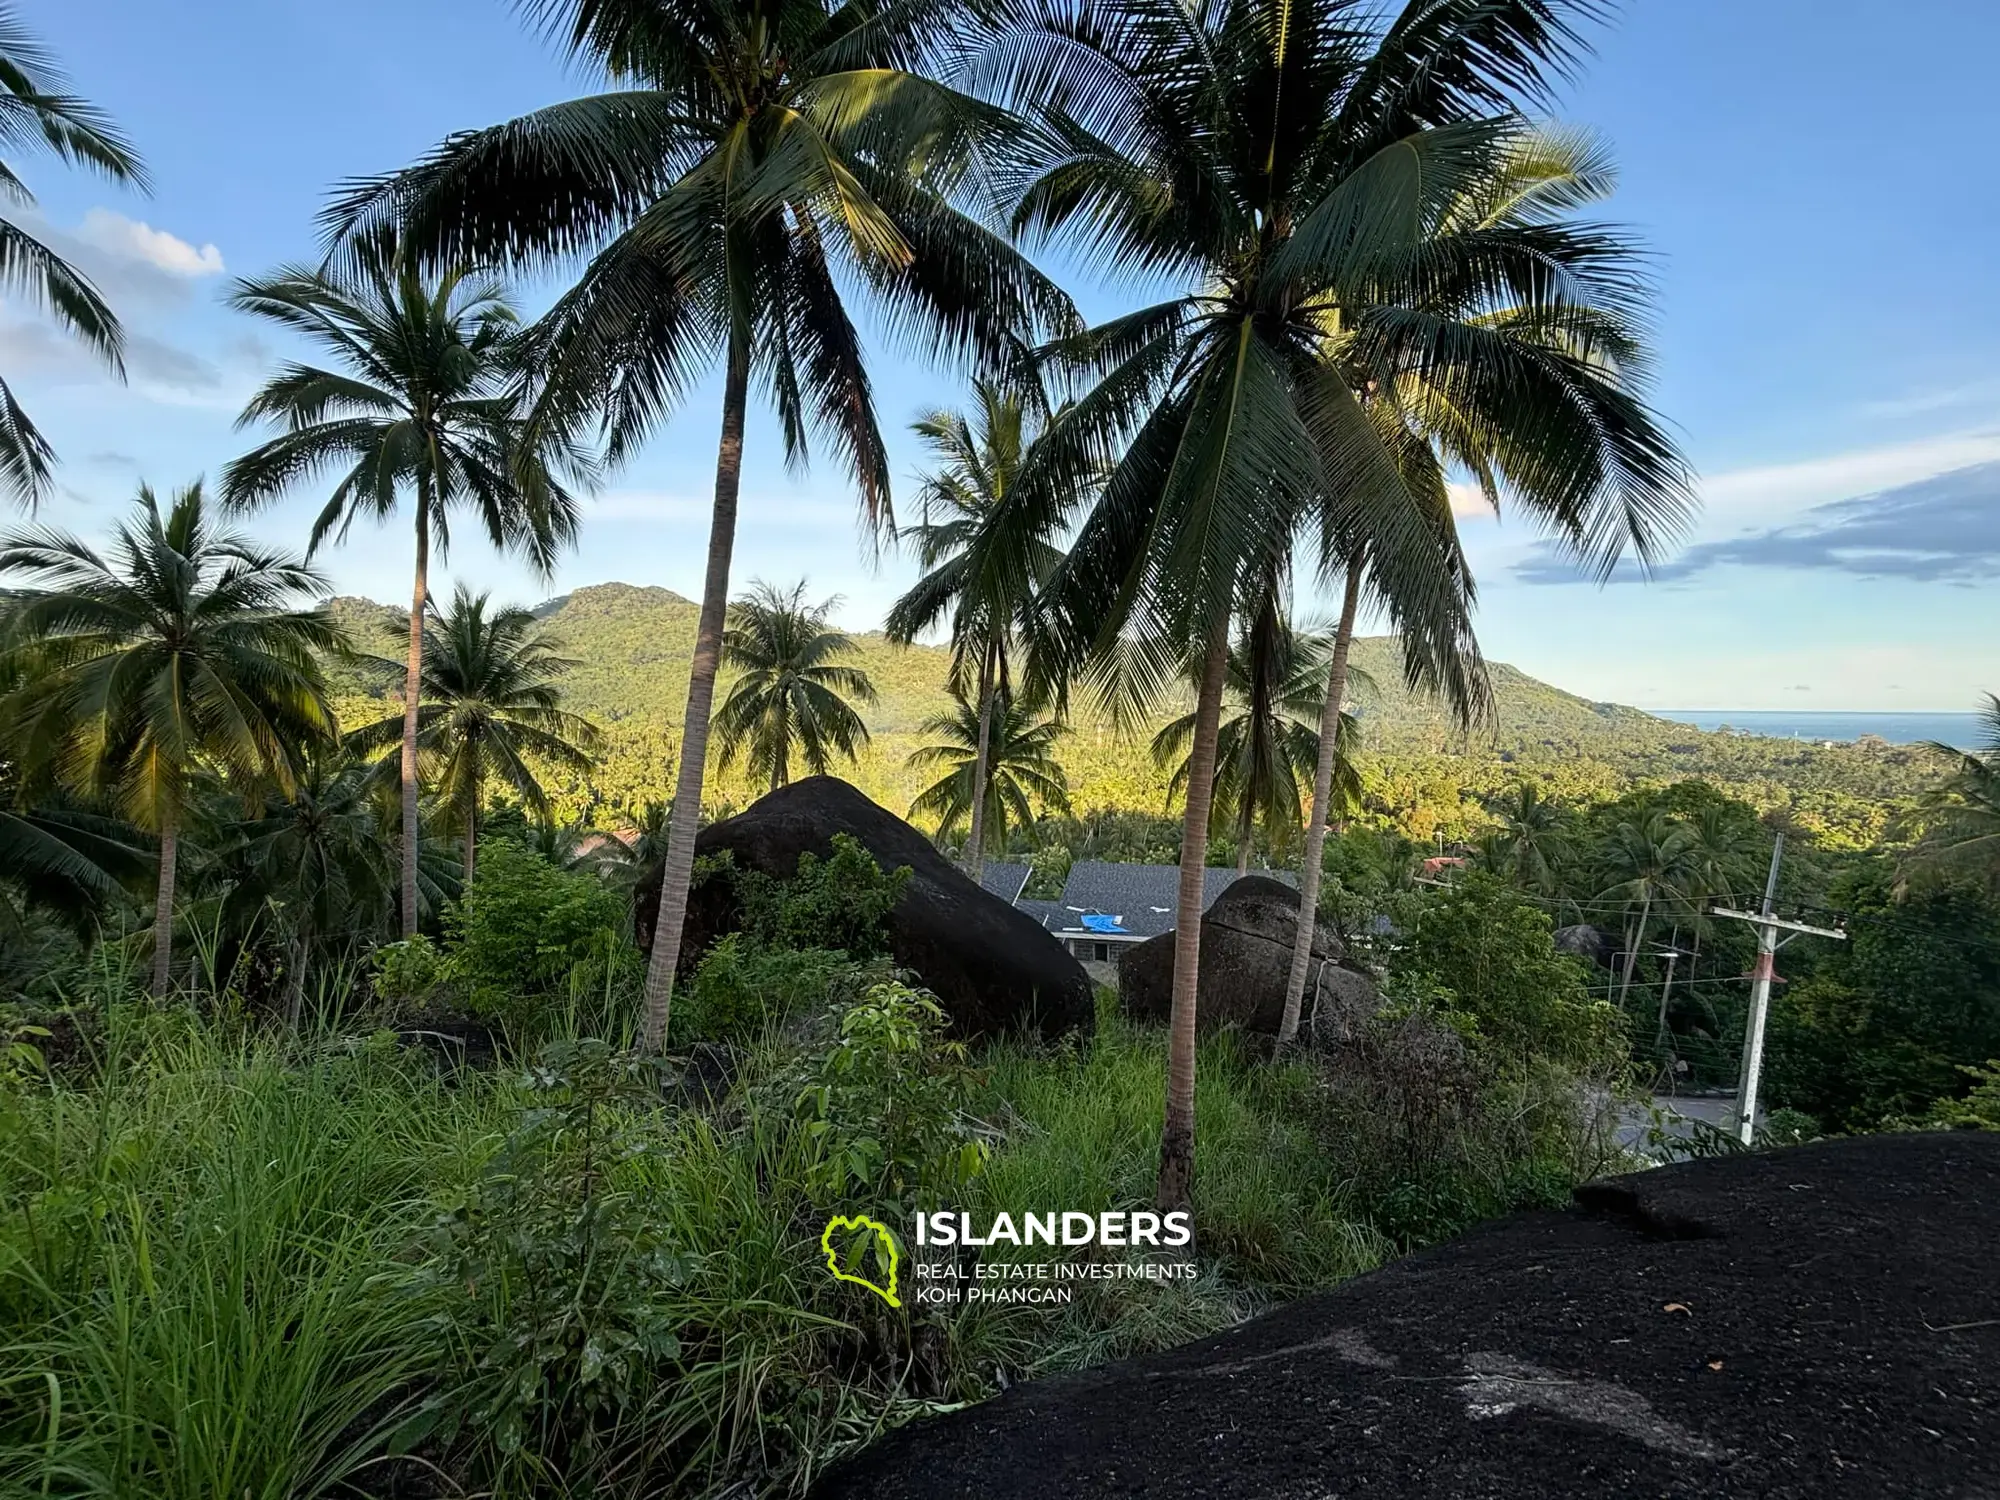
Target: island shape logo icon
{"type": "Point", "coordinates": [876, 1234]}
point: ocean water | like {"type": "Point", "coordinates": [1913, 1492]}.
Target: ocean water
{"type": "Point", "coordinates": [1961, 730]}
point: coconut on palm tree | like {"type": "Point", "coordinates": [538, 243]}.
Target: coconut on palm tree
{"type": "Point", "coordinates": [1005, 754]}
{"type": "Point", "coordinates": [1294, 168]}
{"type": "Point", "coordinates": [39, 113]}
{"type": "Point", "coordinates": [977, 570]}
{"type": "Point", "coordinates": [490, 714]}
{"type": "Point", "coordinates": [185, 650]}
{"type": "Point", "coordinates": [1267, 743]}
{"type": "Point", "coordinates": [425, 398]}
{"type": "Point", "coordinates": [755, 164]}
{"type": "Point", "coordinates": [793, 697]}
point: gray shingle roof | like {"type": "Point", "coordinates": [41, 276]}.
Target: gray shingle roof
{"type": "Point", "coordinates": [1004, 880]}
{"type": "Point", "coordinates": [1142, 897]}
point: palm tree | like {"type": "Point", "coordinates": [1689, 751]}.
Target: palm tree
{"type": "Point", "coordinates": [1014, 740]}
{"type": "Point", "coordinates": [184, 651]}
{"type": "Point", "coordinates": [491, 710]}
{"type": "Point", "coordinates": [316, 856]}
{"type": "Point", "coordinates": [38, 113]}
{"type": "Point", "coordinates": [1295, 165]}
{"type": "Point", "coordinates": [1960, 816]}
{"type": "Point", "coordinates": [758, 159]}
{"type": "Point", "coordinates": [1647, 861]}
{"type": "Point", "coordinates": [1511, 349]}
{"type": "Point", "coordinates": [1267, 742]}
{"type": "Point", "coordinates": [976, 570]}
{"type": "Point", "coordinates": [1532, 840]}
{"type": "Point", "coordinates": [426, 398]}
{"type": "Point", "coordinates": [793, 690]}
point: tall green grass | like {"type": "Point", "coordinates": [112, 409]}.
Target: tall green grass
{"type": "Point", "coordinates": [224, 1270]}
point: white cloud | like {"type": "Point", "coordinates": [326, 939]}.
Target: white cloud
{"type": "Point", "coordinates": [130, 239]}
{"type": "Point", "coordinates": [1772, 491]}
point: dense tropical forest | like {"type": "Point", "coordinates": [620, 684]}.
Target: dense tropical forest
{"type": "Point", "coordinates": [377, 1115]}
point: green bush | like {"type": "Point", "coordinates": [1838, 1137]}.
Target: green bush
{"type": "Point", "coordinates": [520, 930]}
{"type": "Point", "coordinates": [742, 991]}
{"type": "Point", "coordinates": [840, 902]}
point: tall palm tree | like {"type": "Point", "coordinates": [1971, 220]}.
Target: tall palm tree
{"type": "Point", "coordinates": [426, 398]}
{"type": "Point", "coordinates": [1960, 817]}
{"type": "Point", "coordinates": [1267, 742]}
{"type": "Point", "coordinates": [1511, 348]}
{"type": "Point", "coordinates": [1293, 165]}
{"type": "Point", "coordinates": [491, 711]}
{"type": "Point", "coordinates": [38, 113]}
{"type": "Point", "coordinates": [185, 650]}
{"type": "Point", "coordinates": [1532, 840]}
{"type": "Point", "coordinates": [793, 692]}
{"type": "Point", "coordinates": [757, 160]}
{"type": "Point", "coordinates": [977, 571]}
{"type": "Point", "coordinates": [1647, 862]}
{"type": "Point", "coordinates": [1014, 740]}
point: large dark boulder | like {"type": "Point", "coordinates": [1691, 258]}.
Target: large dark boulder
{"type": "Point", "coordinates": [993, 968]}
{"type": "Point", "coordinates": [1814, 1323]}
{"type": "Point", "coordinates": [1246, 957]}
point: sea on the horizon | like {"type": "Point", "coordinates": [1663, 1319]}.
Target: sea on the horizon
{"type": "Point", "coordinates": [1959, 729]}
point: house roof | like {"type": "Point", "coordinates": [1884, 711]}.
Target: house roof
{"type": "Point", "coordinates": [1049, 913]}
{"type": "Point", "coordinates": [1142, 897]}
{"type": "Point", "coordinates": [1005, 880]}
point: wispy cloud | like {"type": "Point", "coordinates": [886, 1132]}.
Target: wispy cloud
{"type": "Point", "coordinates": [1941, 529]}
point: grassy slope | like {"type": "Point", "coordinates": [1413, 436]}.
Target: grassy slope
{"type": "Point", "coordinates": [632, 647]}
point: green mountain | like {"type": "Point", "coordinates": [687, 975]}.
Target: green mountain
{"type": "Point", "coordinates": [632, 646]}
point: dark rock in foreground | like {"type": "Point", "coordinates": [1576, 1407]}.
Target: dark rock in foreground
{"type": "Point", "coordinates": [1804, 1323]}
{"type": "Point", "coordinates": [993, 969]}
{"type": "Point", "coordinates": [1246, 957]}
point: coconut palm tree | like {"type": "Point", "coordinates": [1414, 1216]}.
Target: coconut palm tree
{"type": "Point", "coordinates": [1527, 379]}
{"type": "Point", "coordinates": [1532, 840]}
{"type": "Point", "coordinates": [793, 692]}
{"type": "Point", "coordinates": [491, 711]}
{"type": "Point", "coordinates": [314, 857]}
{"type": "Point", "coordinates": [1267, 742]}
{"type": "Point", "coordinates": [1960, 817]}
{"type": "Point", "coordinates": [425, 399]}
{"type": "Point", "coordinates": [1014, 740]}
{"type": "Point", "coordinates": [38, 113]}
{"type": "Point", "coordinates": [185, 650]}
{"type": "Point", "coordinates": [757, 162]}
{"type": "Point", "coordinates": [980, 573]}
{"type": "Point", "coordinates": [1647, 862]}
{"type": "Point", "coordinates": [1293, 166]}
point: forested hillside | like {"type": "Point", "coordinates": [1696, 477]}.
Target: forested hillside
{"type": "Point", "coordinates": [631, 647]}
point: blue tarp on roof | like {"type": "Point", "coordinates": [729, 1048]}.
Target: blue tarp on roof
{"type": "Point", "coordinates": [1096, 923]}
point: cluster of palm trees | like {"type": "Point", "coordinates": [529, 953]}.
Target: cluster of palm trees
{"type": "Point", "coordinates": [1368, 275]}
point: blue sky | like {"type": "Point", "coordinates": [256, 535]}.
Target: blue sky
{"type": "Point", "coordinates": [1815, 179]}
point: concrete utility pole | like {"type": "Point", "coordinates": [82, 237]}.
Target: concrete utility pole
{"type": "Point", "coordinates": [1768, 927]}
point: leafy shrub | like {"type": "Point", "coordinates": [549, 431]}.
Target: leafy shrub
{"type": "Point", "coordinates": [559, 1279]}
{"type": "Point", "coordinates": [408, 972]}
{"type": "Point", "coordinates": [520, 929]}
{"type": "Point", "coordinates": [881, 1103]}
{"type": "Point", "coordinates": [1977, 1110]}
{"type": "Point", "coordinates": [1480, 951]}
{"type": "Point", "coordinates": [841, 902]}
{"type": "Point", "coordinates": [742, 990]}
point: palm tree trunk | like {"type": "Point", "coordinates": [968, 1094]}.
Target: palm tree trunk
{"type": "Point", "coordinates": [1242, 854]}
{"type": "Point", "coordinates": [1309, 869]}
{"type": "Point", "coordinates": [982, 768]}
{"type": "Point", "coordinates": [1176, 1188]}
{"type": "Point", "coordinates": [471, 838]}
{"type": "Point", "coordinates": [163, 909]}
{"type": "Point", "coordinates": [1638, 942]}
{"type": "Point", "coordinates": [412, 681]}
{"type": "Point", "coordinates": [678, 867]}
